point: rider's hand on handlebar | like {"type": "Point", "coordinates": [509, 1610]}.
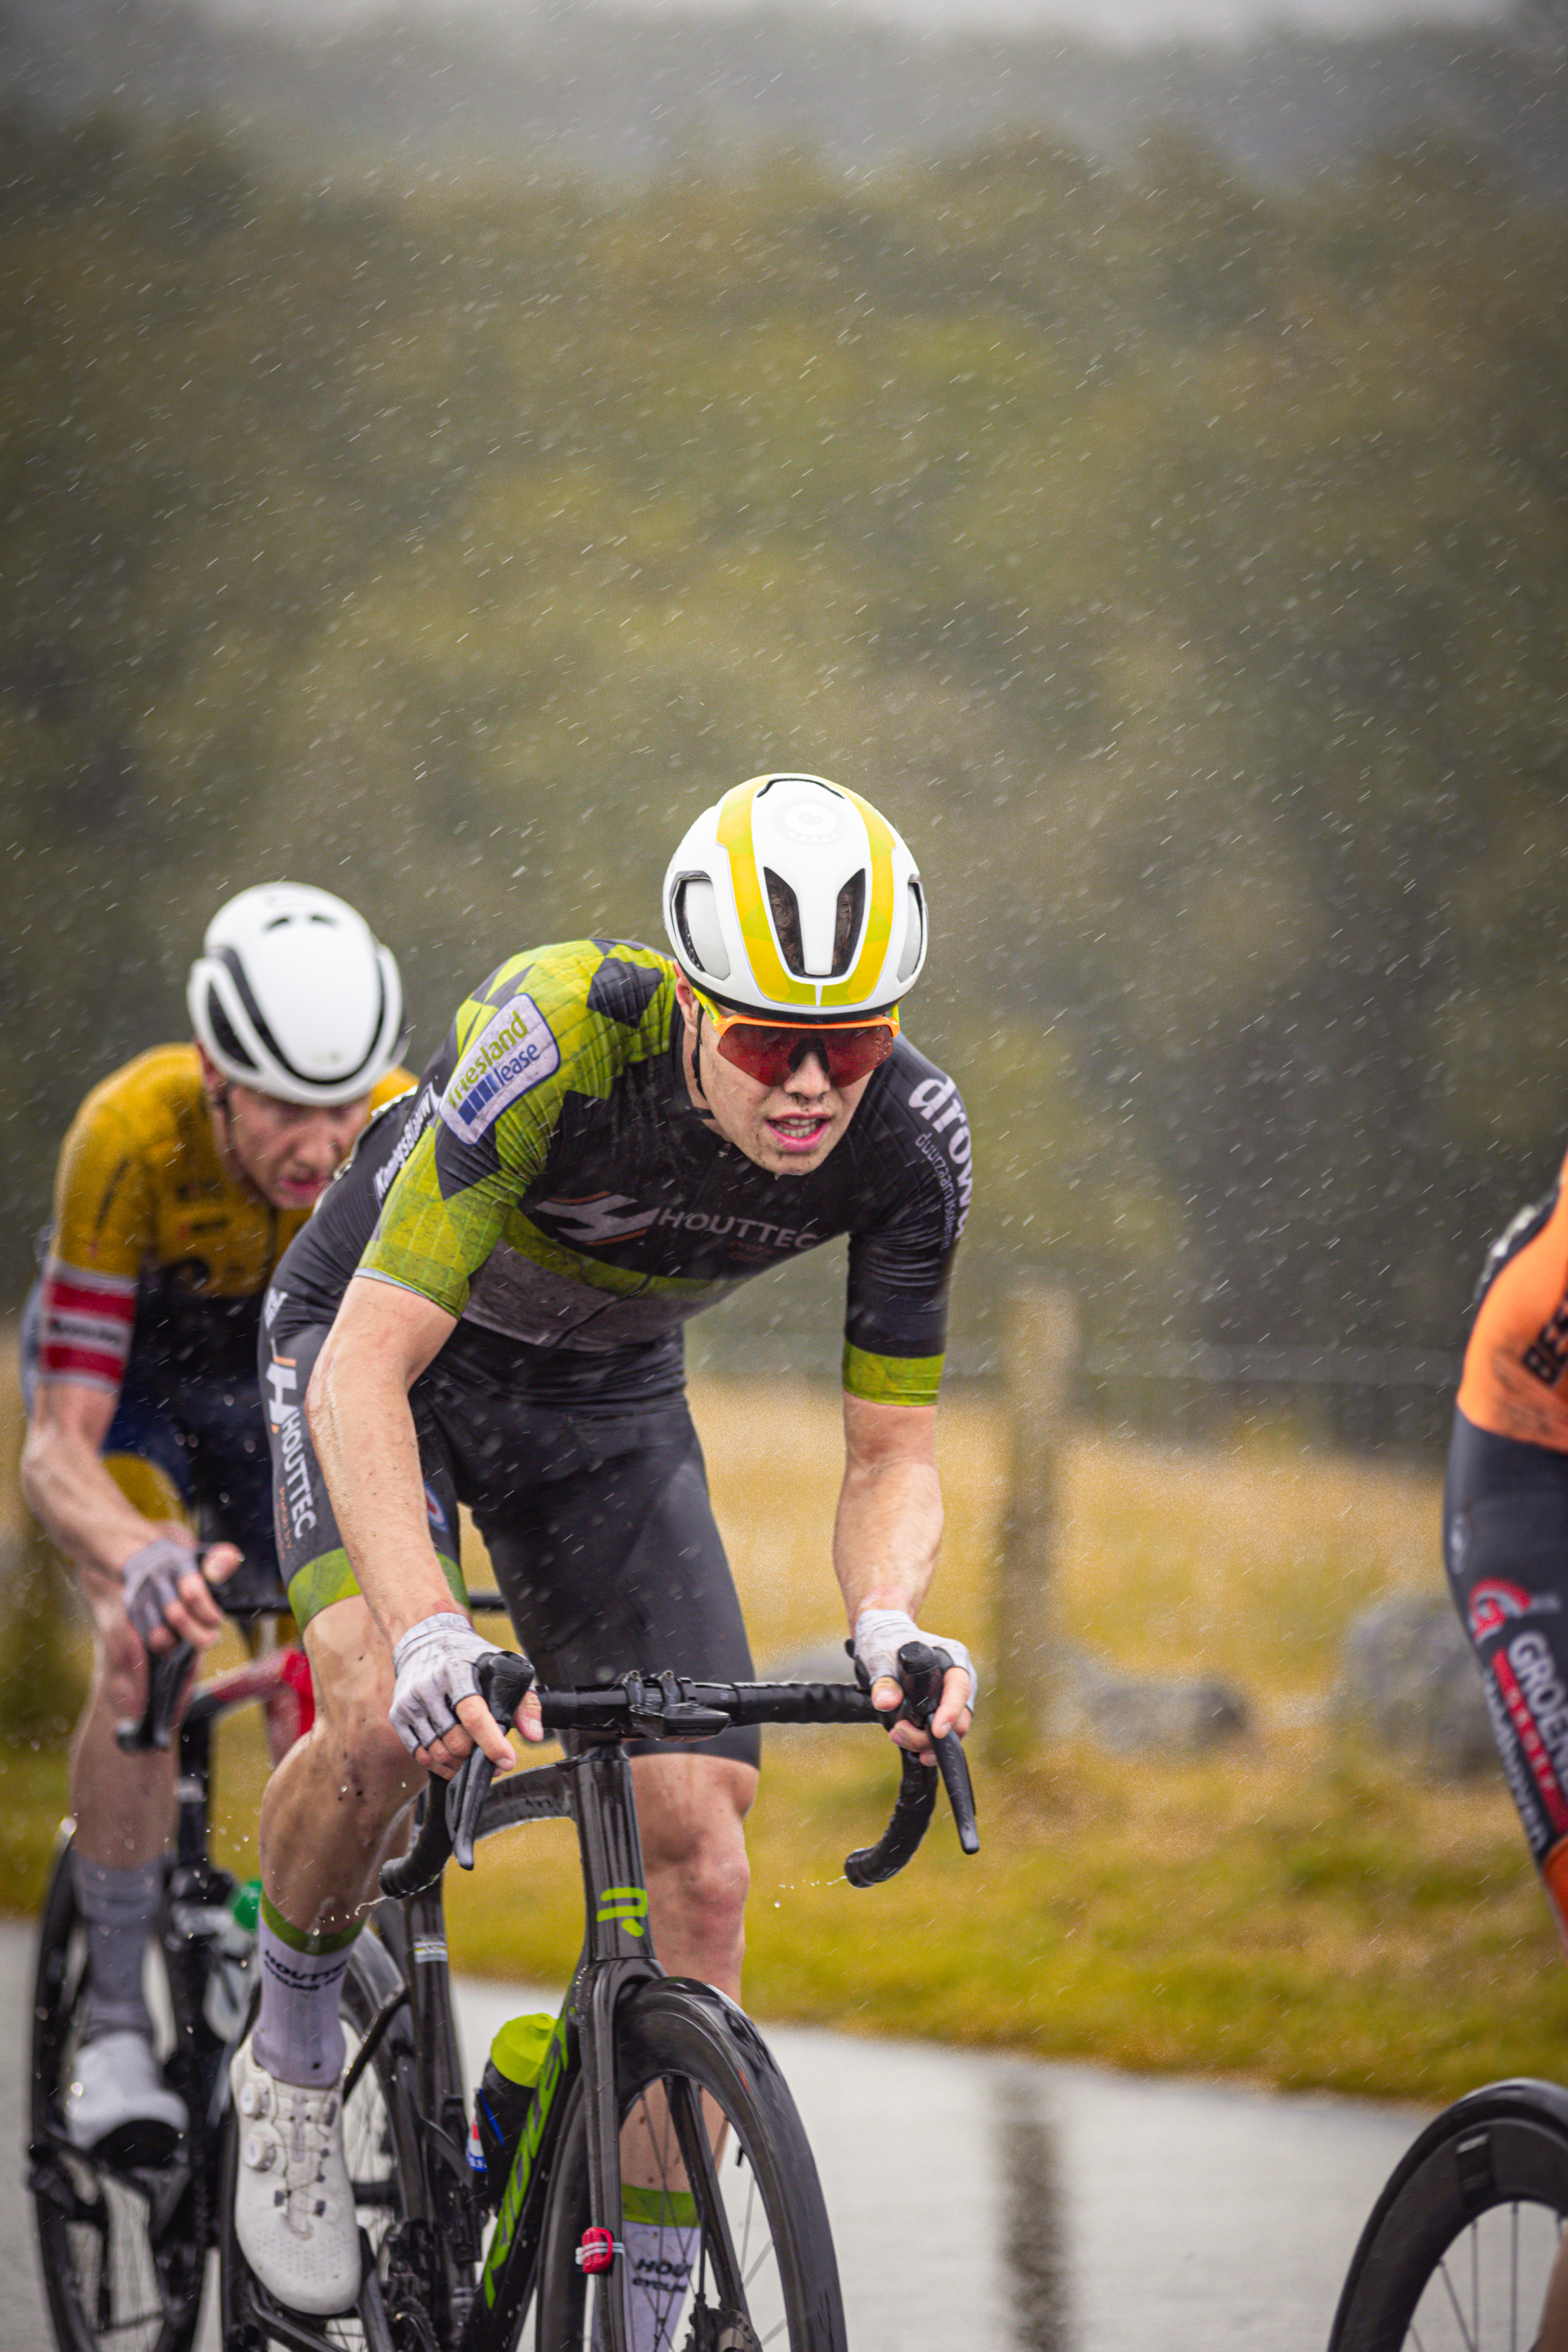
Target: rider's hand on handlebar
{"type": "Point", "coordinates": [437, 1710]}
{"type": "Point", "coordinates": [168, 1588]}
{"type": "Point", "coordinates": [879, 1635]}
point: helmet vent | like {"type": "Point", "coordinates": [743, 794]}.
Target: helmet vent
{"type": "Point", "coordinates": [786, 921]}
{"type": "Point", "coordinates": [224, 1031]}
{"type": "Point", "coordinates": [697, 921]}
{"type": "Point", "coordinates": [915, 934]}
{"type": "Point", "coordinates": [846, 924]}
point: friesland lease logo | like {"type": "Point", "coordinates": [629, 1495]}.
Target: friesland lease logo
{"type": "Point", "coordinates": [513, 1053]}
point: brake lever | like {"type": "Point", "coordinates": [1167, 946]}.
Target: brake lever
{"type": "Point", "coordinates": [166, 1673]}
{"type": "Point", "coordinates": [922, 1672]}
{"type": "Point", "coordinates": [504, 1680]}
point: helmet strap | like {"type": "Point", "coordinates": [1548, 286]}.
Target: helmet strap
{"type": "Point", "coordinates": [220, 1110]}
{"type": "Point", "coordinates": [697, 1055]}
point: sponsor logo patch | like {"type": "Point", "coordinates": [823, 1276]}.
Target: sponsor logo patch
{"type": "Point", "coordinates": [1494, 1603]}
{"type": "Point", "coordinates": [295, 1493]}
{"type": "Point", "coordinates": [512, 1054]}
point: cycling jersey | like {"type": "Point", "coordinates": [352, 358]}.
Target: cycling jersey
{"type": "Point", "coordinates": [595, 1517]}
{"type": "Point", "coordinates": [152, 1291]}
{"type": "Point", "coordinates": [154, 1245]}
{"type": "Point", "coordinates": [551, 1184]}
{"type": "Point", "coordinates": [1513, 1382]}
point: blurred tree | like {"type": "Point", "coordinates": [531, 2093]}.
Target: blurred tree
{"type": "Point", "coordinates": [1182, 567]}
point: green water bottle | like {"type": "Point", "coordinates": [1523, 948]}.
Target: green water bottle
{"type": "Point", "coordinates": [503, 2099]}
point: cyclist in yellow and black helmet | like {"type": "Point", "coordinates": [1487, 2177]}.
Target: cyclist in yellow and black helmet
{"type": "Point", "coordinates": [488, 1310]}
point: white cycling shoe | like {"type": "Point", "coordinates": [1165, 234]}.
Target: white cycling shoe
{"type": "Point", "coordinates": [293, 2201]}
{"type": "Point", "coordinates": [117, 2106]}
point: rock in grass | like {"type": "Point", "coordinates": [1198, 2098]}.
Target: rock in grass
{"type": "Point", "coordinates": [1409, 1680]}
{"type": "Point", "coordinates": [1183, 1717]}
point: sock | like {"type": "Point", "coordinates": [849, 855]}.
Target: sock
{"type": "Point", "coordinates": [298, 2035]}
{"type": "Point", "coordinates": [659, 2234]}
{"type": "Point", "coordinates": [120, 1908]}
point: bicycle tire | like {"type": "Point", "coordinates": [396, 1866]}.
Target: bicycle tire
{"type": "Point", "coordinates": [1460, 2245]}
{"type": "Point", "coordinates": [108, 2280]}
{"type": "Point", "coordinates": [764, 2271]}
{"type": "Point", "coordinates": [380, 2142]}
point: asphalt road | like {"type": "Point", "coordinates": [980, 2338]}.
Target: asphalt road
{"type": "Point", "coordinates": [990, 2202]}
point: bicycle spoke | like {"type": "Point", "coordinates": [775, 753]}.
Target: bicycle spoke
{"type": "Point", "coordinates": [1470, 2343]}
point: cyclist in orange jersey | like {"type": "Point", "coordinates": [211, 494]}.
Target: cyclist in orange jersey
{"type": "Point", "coordinates": [1505, 1542]}
{"type": "Point", "coordinates": [1505, 1520]}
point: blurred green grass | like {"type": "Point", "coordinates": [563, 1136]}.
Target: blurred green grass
{"type": "Point", "coordinates": [1293, 1911]}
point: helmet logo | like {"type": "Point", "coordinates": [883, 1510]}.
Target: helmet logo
{"type": "Point", "coordinates": [810, 822]}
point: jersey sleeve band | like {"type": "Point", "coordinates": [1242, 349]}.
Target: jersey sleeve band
{"type": "Point", "coordinates": [891, 1380]}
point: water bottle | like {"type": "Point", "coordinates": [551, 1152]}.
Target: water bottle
{"type": "Point", "coordinates": [503, 2099]}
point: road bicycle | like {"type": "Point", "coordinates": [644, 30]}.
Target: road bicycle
{"type": "Point", "coordinates": [1460, 2246]}
{"type": "Point", "coordinates": [123, 2241]}
{"type": "Point", "coordinates": [664, 2067]}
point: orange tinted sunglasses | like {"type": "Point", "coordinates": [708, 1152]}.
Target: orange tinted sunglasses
{"type": "Point", "coordinates": [769, 1050]}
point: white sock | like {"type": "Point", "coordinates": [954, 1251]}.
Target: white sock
{"type": "Point", "coordinates": [299, 2035]}
{"type": "Point", "coordinates": [658, 2259]}
{"type": "Point", "coordinates": [121, 1910]}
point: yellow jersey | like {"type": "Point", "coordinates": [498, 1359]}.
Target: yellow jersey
{"type": "Point", "coordinates": [152, 1238]}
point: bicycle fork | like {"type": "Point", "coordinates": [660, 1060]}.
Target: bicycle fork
{"type": "Point", "coordinates": [595, 1788]}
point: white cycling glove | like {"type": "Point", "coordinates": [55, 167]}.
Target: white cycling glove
{"type": "Point", "coordinates": [153, 1583]}
{"type": "Point", "coordinates": [881, 1633]}
{"type": "Point", "coordinates": [435, 1663]}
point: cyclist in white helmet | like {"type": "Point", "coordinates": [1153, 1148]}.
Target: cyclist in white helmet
{"type": "Point", "coordinates": [182, 1181]}
{"type": "Point", "coordinates": [489, 1310]}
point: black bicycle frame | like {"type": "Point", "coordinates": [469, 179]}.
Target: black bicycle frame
{"type": "Point", "coordinates": [593, 1789]}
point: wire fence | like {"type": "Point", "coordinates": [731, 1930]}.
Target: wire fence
{"type": "Point", "coordinates": [1365, 1400]}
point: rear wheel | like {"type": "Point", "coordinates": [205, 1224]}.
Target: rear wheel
{"type": "Point", "coordinates": [1460, 2249]}
{"type": "Point", "coordinates": [743, 2256]}
{"type": "Point", "coordinates": [123, 2246]}
{"type": "Point", "coordinates": [381, 2146]}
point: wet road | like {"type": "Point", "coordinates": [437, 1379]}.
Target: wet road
{"type": "Point", "coordinates": [990, 2202]}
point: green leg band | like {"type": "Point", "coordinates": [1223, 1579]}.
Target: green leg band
{"type": "Point", "coordinates": [666, 2208]}
{"type": "Point", "coordinates": [296, 1938]}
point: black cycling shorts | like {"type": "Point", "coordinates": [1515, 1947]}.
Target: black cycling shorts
{"type": "Point", "coordinates": [596, 1519]}
{"type": "Point", "coordinates": [1505, 1543]}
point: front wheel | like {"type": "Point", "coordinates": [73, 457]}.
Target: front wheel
{"type": "Point", "coordinates": [1461, 2246]}
{"type": "Point", "coordinates": [728, 2247]}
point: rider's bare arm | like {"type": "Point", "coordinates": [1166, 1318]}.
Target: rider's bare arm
{"type": "Point", "coordinates": [888, 1532]}
{"type": "Point", "coordinates": [84, 1512]}
{"type": "Point", "coordinates": [357, 1407]}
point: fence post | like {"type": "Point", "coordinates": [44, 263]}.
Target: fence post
{"type": "Point", "coordinates": [1040, 1356]}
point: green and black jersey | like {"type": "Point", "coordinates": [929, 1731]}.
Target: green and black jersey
{"type": "Point", "coordinates": [549, 1183]}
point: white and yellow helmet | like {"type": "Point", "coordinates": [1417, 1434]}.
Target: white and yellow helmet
{"type": "Point", "coordinates": [793, 896]}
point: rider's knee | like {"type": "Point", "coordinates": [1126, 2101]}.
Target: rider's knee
{"type": "Point", "coordinates": [121, 1666]}
{"type": "Point", "coordinates": [692, 1815]}
{"type": "Point", "coordinates": [350, 1669]}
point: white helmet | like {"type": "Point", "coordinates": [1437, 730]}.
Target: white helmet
{"type": "Point", "coordinates": [291, 995]}
{"type": "Point", "coordinates": [793, 896]}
